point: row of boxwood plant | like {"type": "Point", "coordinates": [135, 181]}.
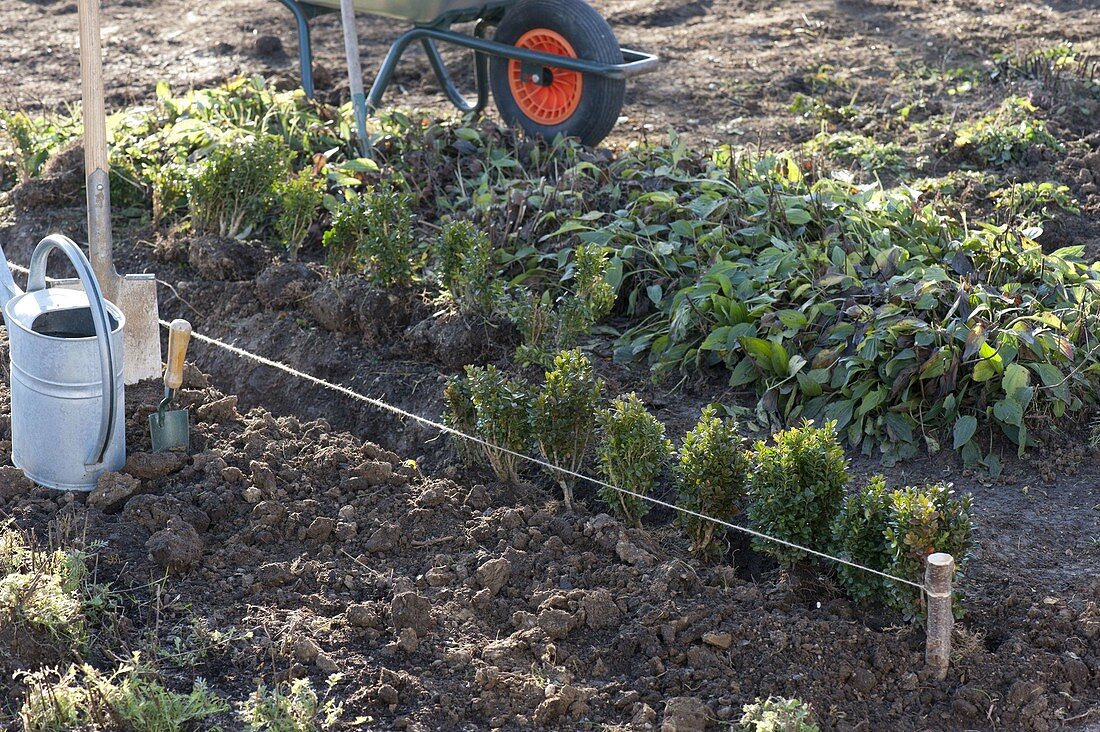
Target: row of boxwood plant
{"type": "Point", "coordinates": [793, 487]}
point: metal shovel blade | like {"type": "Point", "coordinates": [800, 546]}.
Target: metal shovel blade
{"type": "Point", "coordinates": [169, 430]}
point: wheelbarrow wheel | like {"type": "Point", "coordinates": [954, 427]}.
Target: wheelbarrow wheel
{"type": "Point", "coordinates": [547, 102]}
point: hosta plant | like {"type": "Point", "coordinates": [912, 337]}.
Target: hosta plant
{"type": "Point", "coordinates": [778, 714]}
{"type": "Point", "coordinates": [796, 489]}
{"type": "Point", "coordinates": [299, 199]}
{"type": "Point", "coordinates": [632, 453]}
{"type": "Point", "coordinates": [711, 478]}
{"type": "Point", "coordinates": [563, 415]}
{"type": "Point", "coordinates": [231, 191]}
{"type": "Point", "coordinates": [924, 520]}
{"type": "Point", "coordinates": [859, 535]}
{"type": "Point", "coordinates": [502, 406]}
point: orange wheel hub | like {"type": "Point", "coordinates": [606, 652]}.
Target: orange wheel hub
{"type": "Point", "coordinates": [550, 96]}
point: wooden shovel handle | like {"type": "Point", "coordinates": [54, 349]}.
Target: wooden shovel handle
{"type": "Point", "coordinates": [91, 78]}
{"type": "Point", "coordinates": [179, 333]}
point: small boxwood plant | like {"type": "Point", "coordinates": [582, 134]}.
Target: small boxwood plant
{"type": "Point", "coordinates": [466, 268]}
{"type": "Point", "coordinates": [230, 192]}
{"type": "Point", "coordinates": [373, 233]}
{"type": "Point", "coordinates": [923, 520]}
{"type": "Point", "coordinates": [778, 714]}
{"type": "Point", "coordinates": [502, 406]}
{"type": "Point", "coordinates": [299, 198]}
{"type": "Point", "coordinates": [711, 480]}
{"type": "Point", "coordinates": [548, 323]}
{"type": "Point", "coordinates": [461, 414]}
{"type": "Point", "coordinates": [859, 535]}
{"type": "Point", "coordinates": [796, 489]}
{"type": "Point", "coordinates": [563, 415]}
{"type": "Point", "coordinates": [632, 452]}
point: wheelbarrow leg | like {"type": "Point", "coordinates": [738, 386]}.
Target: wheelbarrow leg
{"type": "Point", "coordinates": [481, 74]}
{"type": "Point", "coordinates": [305, 47]}
{"type": "Point", "coordinates": [385, 72]}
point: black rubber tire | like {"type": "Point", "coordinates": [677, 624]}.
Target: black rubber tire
{"type": "Point", "coordinates": [591, 37]}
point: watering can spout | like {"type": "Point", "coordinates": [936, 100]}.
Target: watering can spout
{"type": "Point", "coordinates": [8, 288]}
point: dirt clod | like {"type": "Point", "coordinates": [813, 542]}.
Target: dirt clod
{"type": "Point", "coordinates": [177, 547]}
{"type": "Point", "coordinates": [410, 610]}
{"type": "Point", "coordinates": [154, 465]}
{"type": "Point", "coordinates": [686, 714]}
{"type": "Point", "coordinates": [112, 490]}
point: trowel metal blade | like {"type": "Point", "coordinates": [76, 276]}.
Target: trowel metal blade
{"type": "Point", "coordinates": [170, 432]}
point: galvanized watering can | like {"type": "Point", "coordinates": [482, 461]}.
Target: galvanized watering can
{"type": "Point", "coordinates": [67, 397]}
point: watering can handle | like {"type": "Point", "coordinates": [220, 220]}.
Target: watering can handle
{"type": "Point", "coordinates": [108, 359]}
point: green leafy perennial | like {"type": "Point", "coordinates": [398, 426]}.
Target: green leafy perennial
{"type": "Point", "coordinates": [796, 488]}
{"type": "Point", "coordinates": [633, 451]}
{"type": "Point", "coordinates": [711, 478]}
{"type": "Point", "coordinates": [563, 415]}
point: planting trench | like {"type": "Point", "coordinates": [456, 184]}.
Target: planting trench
{"type": "Point", "coordinates": [459, 602]}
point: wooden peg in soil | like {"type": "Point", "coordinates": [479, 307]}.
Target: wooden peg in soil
{"type": "Point", "coordinates": [938, 573]}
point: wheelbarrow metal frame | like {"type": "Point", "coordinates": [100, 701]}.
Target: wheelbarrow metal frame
{"type": "Point", "coordinates": [634, 62]}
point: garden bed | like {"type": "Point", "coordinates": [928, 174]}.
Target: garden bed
{"type": "Point", "coordinates": [298, 541]}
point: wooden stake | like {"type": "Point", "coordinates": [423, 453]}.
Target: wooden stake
{"type": "Point", "coordinates": [938, 573]}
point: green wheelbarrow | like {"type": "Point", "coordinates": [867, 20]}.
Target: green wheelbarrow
{"type": "Point", "coordinates": [554, 66]}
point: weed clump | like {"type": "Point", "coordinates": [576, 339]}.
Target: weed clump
{"type": "Point", "coordinates": [796, 489]}
{"type": "Point", "coordinates": [1008, 135]}
{"type": "Point", "coordinates": [131, 697]}
{"type": "Point", "coordinates": [924, 520]}
{"type": "Point", "coordinates": [563, 415]}
{"type": "Point", "coordinates": [373, 233]}
{"type": "Point", "coordinates": [230, 192]}
{"type": "Point", "coordinates": [851, 148]}
{"type": "Point", "coordinates": [712, 475]}
{"type": "Point", "coordinates": [299, 199]}
{"type": "Point", "coordinates": [42, 590]}
{"type": "Point", "coordinates": [632, 453]}
{"type": "Point", "coordinates": [293, 707]}
{"type": "Point", "coordinates": [778, 714]}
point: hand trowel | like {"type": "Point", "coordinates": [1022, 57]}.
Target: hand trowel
{"type": "Point", "coordinates": [169, 429]}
